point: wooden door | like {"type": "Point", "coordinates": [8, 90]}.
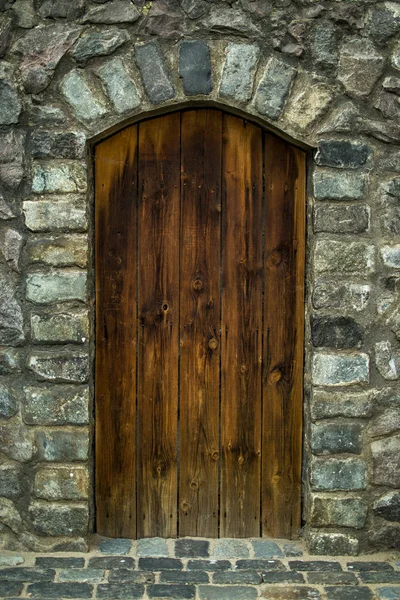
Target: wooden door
{"type": "Point", "coordinates": [199, 249]}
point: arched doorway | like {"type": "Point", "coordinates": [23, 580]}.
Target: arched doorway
{"type": "Point", "coordinates": [199, 249]}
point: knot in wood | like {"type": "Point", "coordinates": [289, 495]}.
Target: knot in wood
{"type": "Point", "coordinates": [240, 460]}
{"type": "Point", "coordinates": [198, 285]}
{"type": "Point", "coordinates": [275, 376]}
{"type": "Point", "coordinates": [215, 455]}
{"type": "Point", "coordinates": [213, 344]}
{"type": "Point", "coordinates": [274, 258]}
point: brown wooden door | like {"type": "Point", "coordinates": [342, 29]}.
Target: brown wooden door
{"type": "Point", "coordinates": [199, 249]}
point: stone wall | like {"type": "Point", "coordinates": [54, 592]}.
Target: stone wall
{"type": "Point", "coordinates": [325, 75]}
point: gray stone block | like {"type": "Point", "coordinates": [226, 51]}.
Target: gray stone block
{"type": "Point", "coordinates": [58, 251]}
{"type": "Point", "coordinates": [153, 69]}
{"type": "Point", "coordinates": [336, 332]}
{"type": "Point", "coordinates": [324, 46]}
{"type": "Point", "coordinates": [386, 461]}
{"type": "Point", "coordinates": [341, 295]}
{"type": "Point", "coordinates": [230, 19]}
{"type": "Point", "coordinates": [343, 154]}
{"type": "Point", "coordinates": [57, 445]}
{"type": "Point", "coordinates": [116, 11]}
{"type": "Point", "coordinates": [59, 519]}
{"type": "Point", "coordinates": [61, 483]}
{"type": "Point", "coordinates": [338, 474]}
{"type": "Point", "coordinates": [115, 546]}
{"type": "Point", "coordinates": [8, 402]}
{"type": "Point", "coordinates": [10, 517]}
{"type": "Point", "coordinates": [10, 481]}
{"type": "Point", "coordinates": [385, 423]}
{"type": "Point", "coordinates": [391, 256]}
{"type": "Point", "coordinates": [338, 186]}
{"type": "Point", "coordinates": [325, 405]}
{"type": "Point", "coordinates": [119, 87]}
{"type": "Point", "coordinates": [239, 70]}
{"type": "Point", "coordinates": [10, 103]}
{"type": "Point", "coordinates": [58, 177]}
{"type": "Point", "coordinates": [220, 592]}
{"type": "Point", "coordinates": [11, 318]}
{"type": "Point", "coordinates": [336, 438]}
{"type": "Point", "coordinates": [71, 366]}
{"type": "Point", "coordinates": [10, 361]}
{"type": "Point", "coordinates": [335, 544]}
{"type": "Point", "coordinates": [340, 369]}
{"type": "Point", "coordinates": [82, 575]}
{"type": "Point", "coordinates": [152, 547]}
{"type": "Point", "coordinates": [46, 288]}
{"type": "Point", "coordinates": [16, 441]}
{"type": "Point", "coordinates": [83, 101]}
{"type": "Point", "coordinates": [56, 326]}
{"type": "Point", "coordinates": [59, 9]}
{"type": "Point", "coordinates": [348, 218]}
{"type": "Point", "coordinates": [336, 511]}
{"type": "Point", "coordinates": [190, 548]}
{"type": "Point", "coordinates": [274, 88]}
{"type": "Point", "coordinates": [387, 360]}
{"type": "Point", "coordinates": [388, 506]}
{"type": "Point", "coordinates": [360, 66]}
{"type": "Point", "coordinates": [265, 549]}
{"type": "Point", "coordinates": [57, 213]}
{"type": "Point", "coordinates": [226, 548]}
{"type": "Point", "coordinates": [99, 43]}
{"type": "Point", "coordinates": [195, 67]}
{"type": "Point", "coordinates": [56, 405]}
{"type": "Point", "coordinates": [51, 144]}
{"type": "Point", "coordinates": [332, 256]}
{"type": "Point", "coordinates": [120, 590]}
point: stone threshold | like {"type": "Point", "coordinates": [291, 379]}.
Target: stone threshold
{"type": "Point", "coordinates": [202, 569]}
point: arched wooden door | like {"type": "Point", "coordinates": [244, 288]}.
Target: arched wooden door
{"type": "Point", "coordinates": [199, 242]}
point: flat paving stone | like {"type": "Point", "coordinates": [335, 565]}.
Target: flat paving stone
{"type": "Point", "coordinates": [380, 577]}
{"type": "Point", "coordinates": [25, 574]}
{"type": "Point", "coordinates": [171, 591]}
{"type": "Point", "coordinates": [290, 593]}
{"type": "Point", "coordinates": [82, 575]}
{"type": "Point", "coordinates": [259, 563]}
{"type": "Point", "coordinates": [332, 578]}
{"type": "Point", "coordinates": [237, 577]}
{"type": "Point", "coordinates": [314, 565]}
{"type": "Point", "coordinates": [58, 562]}
{"type": "Point", "coordinates": [369, 566]}
{"type": "Point", "coordinates": [130, 576]}
{"type": "Point", "coordinates": [208, 565]}
{"type": "Point", "coordinates": [111, 562]}
{"type": "Point", "coordinates": [117, 546]}
{"type": "Point", "coordinates": [119, 590]}
{"type": "Point", "coordinates": [219, 592]}
{"type": "Point", "coordinates": [10, 588]}
{"type": "Point", "coordinates": [264, 549]}
{"type": "Point", "coordinates": [389, 593]}
{"type": "Point", "coordinates": [349, 593]}
{"type": "Point", "coordinates": [185, 577]}
{"type": "Point", "coordinates": [192, 548]}
{"type": "Point", "coordinates": [59, 590]}
{"type": "Point", "coordinates": [279, 577]}
{"type": "Point", "coordinates": [159, 564]}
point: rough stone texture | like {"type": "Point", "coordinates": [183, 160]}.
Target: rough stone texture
{"type": "Point", "coordinates": [387, 360]}
{"type": "Point", "coordinates": [274, 88]}
{"type": "Point", "coordinates": [238, 74]}
{"type": "Point", "coordinates": [391, 256]}
{"type": "Point", "coordinates": [16, 442]}
{"type": "Point", "coordinates": [56, 405]}
{"type": "Point", "coordinates": [309, 100]}
{"type": "Point", "coordinates": [340, 369]}
{"type": "Point", "coordinates": [5, 34]}
{"type": "Point", "coordinates": [12, 155]}
{"type": "Point", "coordinates": [56, 326]}
{"type": "Point", "coordinates": [324, 46]}
{"type": "Point", "coordinates": [8, 402]}
{"type": "Point", "coordinates": [336, 332]}
{"type": "Point", "coordinates": [152, 547]}
{"type": "Point", "coordinates": [336, 438]}
{"type": "Point", "coordinates": [338, 474]}
{"type": "Point", "coordinates": [341, 404]}
{"type": "Point", "coordinates": [338, 511]}
{"type": "Point", "coordinates": [154, 73]}
{"type": "Point", "coordinates": [195, 67]}
{"type": "Point", "coordinates": [55, 214]}
{"type": "Point", "coordinates": [51, 178]}
{"type": "Point", "coordinates": [342, 154]}
{"type": "Point", "coordinates": [11, 318]}
{"type": "Point", "coordinates": [58, 251]}
{"type": "Point", "coordinates": [50, 144]}
{"type": "Point", "coordinates": [9, 515]}
{"type": "Point", "coordinates": [99, 43]}
{"type": "Point", "coordinates": [332, 543]}
{"type": "Point", "coordinates": [119, 87]}
{"type": "Point", "coordinates": [388, 506]}
{"type": "Point", "coordinates": [341, 219]}
{"type": "Point", "coordinates": [59, 9]}
{"type": "Point", "coordinates": [56, 286]}
{"type": "Point", "coordinates": [10, 480]}
{"type": "Point", "coordinates": [61, 366]}
{"type": "Point", "coordinates": [117, 11]}
{"type": "Point", "coordinates": [386, 461]}
{"type": "Point", "coordinates": [230, 20]}
{"type": "Point", "coordinates": [57, 445]}
{"type": "Point", "coordinates": [9, 102]}
{"type": "Point", "coordinates": [61, 483]}
{"type": "Point", "coordinates": [383, 22]}
{"type": "Point", "coordinates": [59, 519]}
{"type": "Point", "coordinates": [338, 186]}
{"type": "Point", "coordinates": [81, 98]}
{"type": "Point", "coordinates": [350, 257]}
{"type": "Point", "coordinates": [360, 66]}
{"type": "Point", "coordinates": [343, 296]}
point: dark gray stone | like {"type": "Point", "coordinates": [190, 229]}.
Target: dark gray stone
{"type": "Point", "coordinates": [345, 593]}
{"type": "Point", "coordinates": [261, 564]}
{"type": "Point", "coordinates": [388, 506]}
{"type": "Point", "coordinates": [191, 548]}
{"type": "Point", "coordinates": [338, 186]}
{"type": "Point", "coordinates": [186, 577]}
{"type": "Point", "coordinates": [60, 366]}
{"type": "Point", "coordinates": [10, 103]}
{"type": "Point", "coordinates": [171, 591]}
{"type": "Point", "coordinates": [12, 156]}
{"type": "Point", "coordinates": [341, 295]}
{"type": "Point", "coordinates": [359, 566]}
{"type": "Point", "coordinates": [59, 519]}
{"type": "Point", "coordinates": [8, 402]}
{"type": "Point", "coordinates": [332, 579]}
{"type": "Point", "coordinates": [164, 20]}
{"type": "Point", "coordinates": [328, 510]}
{"type": "Point", "coordinates": [389, 106]}
{"type": "Point", "coordinates": [195, 8]}
{"type": "Point", "coordinates": [385, 537]}
{"type": "Point", "coordinates": [56, 445]}
{"type": "Point", "coordinates": [152, 547]}
{"type": "Point", "coordinates": [338, 474]}
{"type": "Point", "coordinates": [314, 565]}
{"type": "Point", "coordinates": [62, 9]}
{"type": "Point", "coordinates": [117, 11]}
{"type": "Point", "coordinates": [274, 88]}
{"type": "Point", "coordinates": [227, 19]}
{"type": "Point", "coordinates": [236, 577]}
{"type": "Point", "coordinates": [5, 34]}
{"type": "Point", "coordinates": [11, 319]}
{"type": "Point", "coordinates": [208, 565]}
{"type": "Point", "coordinates": [385, 423]}
{"type": "Point", "coordinates": [336, 332]}
{"type": "Point", "coordinates": [47, 115]}
{"type": "Point", "coordinates": [293, 592]}
{"type": "Point", "coordinates": [27, 574]}
{"type": "Point", "coordinates": [115, 546]}
{"type": "Point", "coordinates": [59, 590]}
{"type": "Point", "coordinates": [153, 69]}
{"type": "Point", "coordinates": [324, 46]}
{"type": "Point", "coordinates": [340, 369]}
{"type": "Point", "coordinates": [239, 69]}
{"type": "Point", "coordinates": [130, 576]}
{"type": "Point", "coordinates": [120, 590]}
{"type": "Point", "coordinates": [383, 22]}
{"type": "Point", "coordinates": [342, 153]}
{"type": "Point", "coordinates": [219, 592]}
{"type": "Point", "coordinates": [278, 577]}
{"type": "Point", "coordinates": [341, 219]}
{"type": "Point", "coordinates": [266, 549]}
{"type": "Point", "coordinates": [11, 481]}
{"type": "Point", "coordinates": [360, 66]}
{"type": "Point", "coordinates": [159, 563]}
{"type": "Point", "coordinates": [334, 544]}
{"type": "Point", "coordinates": [195, 67]}
{"type": "Point", "coordinates": [10, 361]}
{"type": "Point", "coordinates": [380, 577]}
{"type": "Point", "coordinates": [335, 438]}
{"type": "Point", "coordinates": [50, 144]}
{"type": "Point", "coordinates": [386, 461]}
{"type": "Point", "coordinates": [10, 588]}
{"type": "Point", "coordinates": [99, 43]}
{"type": "Point", "coordinates": [82, 575]}
{"type": "Point", "coordinates": [11, 246]}
{"type": "Point", "coordinates": [111, 562]}
{"type": "Point", "coordinates": [231, 548]}
{"type": "Point", "coordinates": [16, 441]}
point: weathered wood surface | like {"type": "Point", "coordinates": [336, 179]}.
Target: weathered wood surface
{"type": "Point", "coordinates": [200, 237]}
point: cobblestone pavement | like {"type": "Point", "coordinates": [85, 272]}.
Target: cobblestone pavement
{"type": "Point", "coordinates": [200, 569]}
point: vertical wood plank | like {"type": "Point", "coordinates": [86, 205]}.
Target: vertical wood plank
{"type": "Point", "coordinates": [241, 328]}
{"type": "Point", "coordinates": [200, 315]}
{"type": "Point", "coordinates": [283, 337]}
{"type": "Point", "coordinates": [116, 331]}
{"type": "Point", "coordinates": [158, 250]}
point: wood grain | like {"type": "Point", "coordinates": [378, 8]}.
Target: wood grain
{"type": "Point", "coordinates": [241, 328]}
{"type": "Point", "coordinates": [158, 309]}
{"type": "Point", "coordinates": [200, 315]}
{"type": "Point", "coordinates": [283, 337]}
{"type": "Point", "coordinates": [115, 378]}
